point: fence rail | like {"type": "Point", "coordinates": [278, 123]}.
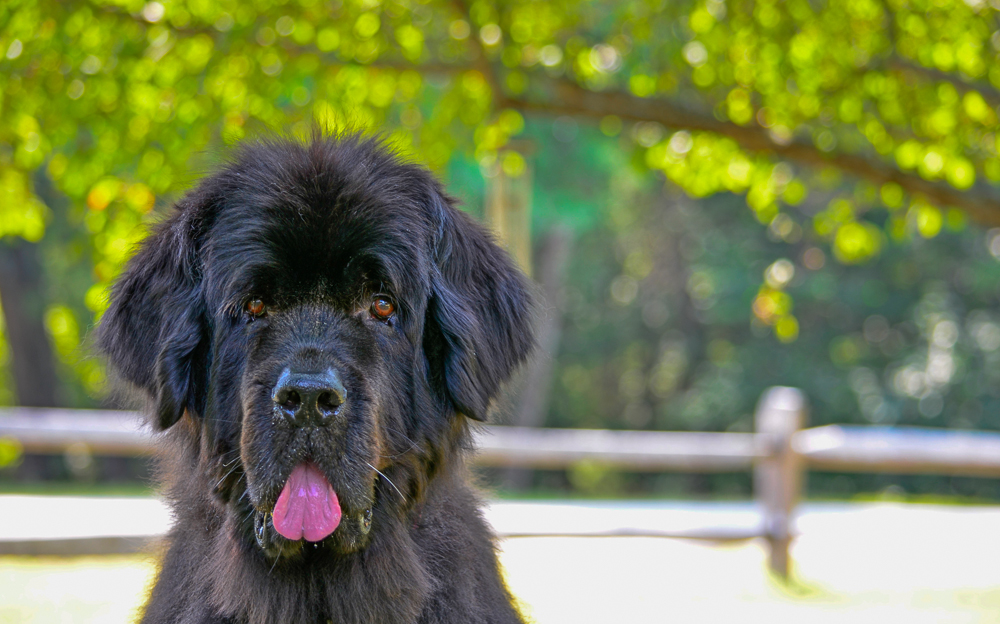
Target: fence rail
{"type": "Point", "coordinates": [780, 451]}
{"type": "Point", "coordinates": [633, 450]}
{"type": "Point", "coordinates": [903, 450]}
{"type": "Point", "coordinates": [102, 432]}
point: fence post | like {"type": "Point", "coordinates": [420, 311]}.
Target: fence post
{"type": "Point", "coordinates": [778, 477]}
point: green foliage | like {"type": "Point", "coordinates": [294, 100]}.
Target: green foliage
{"type": "Point", "coordinates": [10, 452]}
{"type": "Point", "coordinates": [815, 135]}
{"type": "Point", "coordinates": [673, 312]}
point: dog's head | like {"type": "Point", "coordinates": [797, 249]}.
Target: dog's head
{"type": "Point", "coordinates": [322, 320]}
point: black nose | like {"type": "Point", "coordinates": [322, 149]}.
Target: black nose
{"type": "Point", "coordinates": [309, 398]}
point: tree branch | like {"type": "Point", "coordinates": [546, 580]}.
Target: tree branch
{"type": "Point", "coordinates": [963, 86]}
{"type": "Point", "coordinates": [571, 99]}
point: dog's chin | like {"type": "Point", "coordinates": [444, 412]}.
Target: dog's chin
{"type": "Point", "coordinates": [350, 536]}
{"type": "Point", "coordinates": [351, 532]}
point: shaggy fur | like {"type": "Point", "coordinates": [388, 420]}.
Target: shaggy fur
{"type": "Point", "coordinates": [317, 232]}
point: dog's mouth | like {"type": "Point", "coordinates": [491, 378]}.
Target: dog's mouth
{"type": "Point", "coordinates": [308, 510]}
{"type": "Point", "coordinates": [307, 507]}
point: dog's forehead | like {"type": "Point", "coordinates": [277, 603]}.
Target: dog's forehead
{"type": "Point", "coordinates": [313, 218]}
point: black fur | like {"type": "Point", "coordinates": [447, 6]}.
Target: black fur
{"type": "Point", "coordinates": [315, 231]}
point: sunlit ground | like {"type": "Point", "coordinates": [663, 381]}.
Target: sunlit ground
{"type": "Point", "coordinates": [871, 563]}
{"type": "Point", "coordinates": [657, 580]}
{"type": "Point", "coordinates": [71, 590]}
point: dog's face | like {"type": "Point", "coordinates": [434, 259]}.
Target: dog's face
{"type": "Point", "coordinates": [323, 320]}
{"type": "Point", "coordinates": [327, 327]}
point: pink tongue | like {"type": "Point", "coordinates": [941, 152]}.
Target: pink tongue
{"type": "Point", "coordinates": [307, 506]}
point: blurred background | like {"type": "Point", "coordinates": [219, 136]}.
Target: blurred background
{"type": "Point", "coordinates": [714, 196]}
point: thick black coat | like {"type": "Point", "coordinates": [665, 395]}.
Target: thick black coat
{"type": "Point", "coordinates": [316, 233]}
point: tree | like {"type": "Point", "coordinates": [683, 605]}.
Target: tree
{"type": "Point", "coordinates": [881, 112]}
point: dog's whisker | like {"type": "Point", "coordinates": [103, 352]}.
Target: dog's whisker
{"type": "Point", "coordinates": [280, 548]}
{"type": "Point", "coordinates": [413, 445]}
{"type": "Point", "coordinates": [399, 454]}
{"type": "Point", "coordinates": [226, 476]}
{"type": "Point", "coordinates": [404, 436]}
{"type": "Point", "coordinates": [388, 480]}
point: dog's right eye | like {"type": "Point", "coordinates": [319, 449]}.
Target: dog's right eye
{"type": "Point", "coordinates": [382, 308]}
{"type": "Point", "coordinates": [255, 308]}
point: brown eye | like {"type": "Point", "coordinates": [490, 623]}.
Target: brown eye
{"type": "Point", "coordinates": [255, 307]}
{"type": "Point", "coordinates": [382, 308]}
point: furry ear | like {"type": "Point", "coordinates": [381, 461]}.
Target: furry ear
{"type": "Point", "coordinates": [155, 321]}
{"type": "Point", "coordinates": [481, 305]}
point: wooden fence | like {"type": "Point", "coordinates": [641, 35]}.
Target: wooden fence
{"type": "Point", "coordinates": [780, 451]}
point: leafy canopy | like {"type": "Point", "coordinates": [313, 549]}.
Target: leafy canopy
{"type": "Point", "coordinates": [879, 115]}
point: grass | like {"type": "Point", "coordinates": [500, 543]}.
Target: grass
{"type": "Point", "coordinates": [82, 590]}
{"type": "Point", "coordinates": [85, 488]}
{"type": "Point", "coordinates": [583, 579]}
{"type": "Point", "coordinates": [894, 562]}
{"type": "Point", "coordinates": [76, 488]}
{"type": "Point", "coordinates": [649, 580]}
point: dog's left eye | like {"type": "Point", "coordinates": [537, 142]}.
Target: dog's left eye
{"type": "Point", "coordinates": [382, 308]}
{"type": "Point", "coordinates": [255, 308]}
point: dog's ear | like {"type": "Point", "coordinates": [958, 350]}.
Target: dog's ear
{"type": "Point", "coordinates": [156, 320]}
{"type": "Point", "coordinates": [481, 305]}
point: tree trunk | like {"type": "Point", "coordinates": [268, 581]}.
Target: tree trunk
{"type": "Point", "coordinates": [533, 398]}
{"type": "Point", "coordinates": [32, 362]}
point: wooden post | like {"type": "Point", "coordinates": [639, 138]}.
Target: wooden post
{"type": "Point", "coordinates": [778, 478]}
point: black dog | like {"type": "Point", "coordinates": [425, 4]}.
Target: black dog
{"type": "Point", "coordinates": [314, 325]}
